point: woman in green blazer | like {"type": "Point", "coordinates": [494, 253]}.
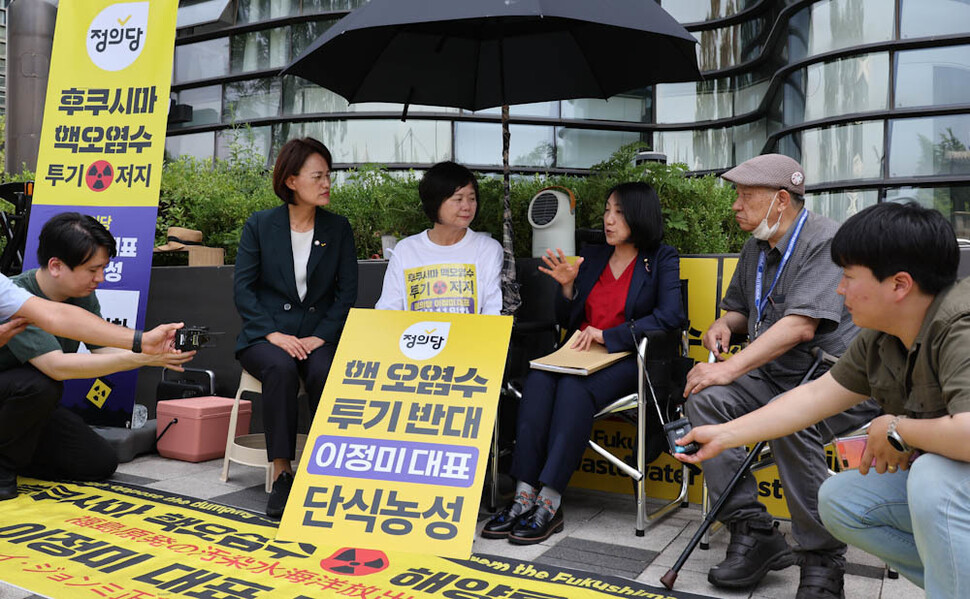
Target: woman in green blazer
{"type": "Point", "coordinates": [295, 282]}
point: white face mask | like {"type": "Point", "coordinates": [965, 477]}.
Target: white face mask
{"type": "Point", "coordinates": [763, 231]}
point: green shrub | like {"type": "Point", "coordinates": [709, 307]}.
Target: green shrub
{"type": "Point", "coordinates": [217, 196]}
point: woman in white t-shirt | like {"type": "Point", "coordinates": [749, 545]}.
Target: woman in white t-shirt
{"type": "Point", "coordinates": [449, 267]}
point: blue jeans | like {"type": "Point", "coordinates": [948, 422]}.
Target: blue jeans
{"type": "Point", "coordinates": [917, 521]}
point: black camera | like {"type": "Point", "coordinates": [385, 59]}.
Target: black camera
{"type": "Point", "coordinates": [191, 338]}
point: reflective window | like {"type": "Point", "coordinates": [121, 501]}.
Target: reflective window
{"type": "Point", "coordinates": [953, 202]}
{"type": "Point", "coordinates": [232, 141]}
{"type": "Point", "coordinates": [838, 153]}
{"type": "Point", "coordinates": [315, 6]}
{"type": "Point", "coordinates": [198, 145]}
{"type": "Point", "coordinates": [748, 96]}
{"type": "Point", "coordinates": [729, 46]}
{"type": "Point", "coordinates": [304, 34]}
{"type": "Point", "coordinates": [199, 13]}
{"type": "Point", "coordinates": [635, 109]}
{"type": "Point", "coordinates": [930, 146]}
{"type": "Point", "coordinates": [481, 144]}
{"type": "Point", "coordinates": [382, 141]}
{"type": "Point", "coordinates": [254, 11]}
{"type": "Point", "coordinates": [837, 24]}
{"type": "Point", "coordinates": [934, 17]}
{"type": "Point", "coordinates": [202, 60]}
{"type": "Point", "coordinates": [841, 205]}
{"type": "Point", "coordinates": [694, 101]}
{"type": "Point", "coordinates": [694, 11]}
{"type": "Point", "coordinates": [700, 150]}
{"type": "Point", "coordinates": [253, 99]}
{"type": "Point", "coordinates": [933, 76]}
{"type": "Point", "coordinates": [543, 109]}
{"type": "Point", "coordinates": [582, 148]}
{"type": "Point", "coordinates": [206, 103]}
{"type": "Point", "coordinates": [258, 50]}
{"type": "Point", "coordinates": [855, 84]}
{"type": "Point", "coordinates": [749, 140]}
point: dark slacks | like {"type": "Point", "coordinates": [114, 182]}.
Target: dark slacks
{"type": "Point", "coordinates": [280, 375]}
{"type": "Point", "coordinates": [41, 439]}
{"type": "Point", "coordinates": [800, 457]}
{"type": "Point", "coordinates": [556, 417]}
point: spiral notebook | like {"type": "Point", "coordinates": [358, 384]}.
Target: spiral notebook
{"type": "Point", "coordinates": [573, 361]}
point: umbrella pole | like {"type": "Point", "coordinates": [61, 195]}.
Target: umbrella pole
{"type": "Point", "coordinates": [510, 288]}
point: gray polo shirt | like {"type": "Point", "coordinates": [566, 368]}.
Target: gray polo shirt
{"type": "Point", "coordinates": [806, 287]}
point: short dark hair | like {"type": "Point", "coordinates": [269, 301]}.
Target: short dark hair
{"type": "Point", "coordinates": [896, 237]}
{"type": "Point", "coordinates": [73, 238]}
{"type": "Point", "coordinates": [290, 160]}
{"type": "Point", "coordinates": [641, 209]}
{"type": "Point", "coordinates": [440, 183]}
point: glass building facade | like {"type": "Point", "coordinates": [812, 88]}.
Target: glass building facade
{"type": "Point", "coordinates": [872, 96]}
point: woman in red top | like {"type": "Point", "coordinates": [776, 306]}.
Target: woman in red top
{"type": "Point", "coordinates": [633, 282]}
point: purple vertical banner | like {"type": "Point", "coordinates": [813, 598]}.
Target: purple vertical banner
{"type": "Point", "coordinates": [109, 400]}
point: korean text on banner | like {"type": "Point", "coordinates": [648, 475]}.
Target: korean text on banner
{"type": "Point", "coordinates": [101, 151]}
{"type": "Point", "coordinates": [397, 452]}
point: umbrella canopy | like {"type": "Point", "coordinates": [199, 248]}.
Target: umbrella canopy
{"type": "Point", "coordinates": [476, 54]}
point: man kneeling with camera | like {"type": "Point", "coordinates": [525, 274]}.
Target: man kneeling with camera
{"type": "Point", "coordinates": [37, 437]}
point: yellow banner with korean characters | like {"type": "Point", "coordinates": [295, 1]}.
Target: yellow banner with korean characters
{"type": "Point", "coordinates": [101, 150]}
{"type": "Point", "coordinates": [105, 114]}
{"type": "Point", "coordinates": [397, 452]}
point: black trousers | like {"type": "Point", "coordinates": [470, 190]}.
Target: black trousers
{"type": "Point", "coordinates": [41, 439]}
{"type": "Point", "coordinates": [280, 375]}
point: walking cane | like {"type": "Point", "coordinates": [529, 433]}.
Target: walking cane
{"type": "Point", "coordinates": [670, 577]}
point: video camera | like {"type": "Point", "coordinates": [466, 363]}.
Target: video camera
{"type": "Point", "coordinates": [192, 338]}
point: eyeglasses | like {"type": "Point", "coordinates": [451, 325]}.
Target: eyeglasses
{"type": "Point", "coordinates": [318, 176]}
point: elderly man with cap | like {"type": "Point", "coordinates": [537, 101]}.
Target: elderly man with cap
{"type": "Point", "coordinates": [783, 297]}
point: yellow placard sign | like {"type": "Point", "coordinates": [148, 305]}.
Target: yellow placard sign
{"type": "Point", "coordinates": [397, 452]}
{"type": "Point", "coordinates": [103, 137]}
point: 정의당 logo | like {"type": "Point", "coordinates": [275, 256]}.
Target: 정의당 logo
{"type": "Point", "coordinates": [117, 35]}
{"type": "Point", "coordinates": [424, 340]}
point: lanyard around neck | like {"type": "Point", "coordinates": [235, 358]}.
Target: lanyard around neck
{"type": "Point", "coordinates": [759, 300]}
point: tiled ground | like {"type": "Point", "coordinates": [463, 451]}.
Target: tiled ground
{"type": "Point", "coordinates": [598, 535]}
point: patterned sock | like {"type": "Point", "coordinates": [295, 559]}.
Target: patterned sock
{"type": "Point", "coordinates": [549, 499]}
{"type": "Point", "coordinates": [525, 497]}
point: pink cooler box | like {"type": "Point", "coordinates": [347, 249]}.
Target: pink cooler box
{"type": "Point", "coordinates": [202, 427]}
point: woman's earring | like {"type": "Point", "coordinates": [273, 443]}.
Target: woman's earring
{"type": "Point", "coordinates": [646, 264]}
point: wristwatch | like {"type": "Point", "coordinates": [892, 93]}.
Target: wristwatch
{"type": "Point", "coordinates": [894, 438]}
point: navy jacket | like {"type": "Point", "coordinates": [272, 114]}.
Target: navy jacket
{"type": "Point", "coordinates": [265, 286]}
{"type": "Point", "coordinates": [653, 302]}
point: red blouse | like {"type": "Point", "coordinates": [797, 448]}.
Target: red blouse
{"type": "Point", "coordinates": [607, 300]}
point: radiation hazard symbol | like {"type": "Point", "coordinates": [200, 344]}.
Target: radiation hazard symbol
{"type": "Point", "coordinates": [355, 562]}
{"type": "Point", "coordinates": [99, 176]}
{"type": "Point", "coordinates": [99, 392]}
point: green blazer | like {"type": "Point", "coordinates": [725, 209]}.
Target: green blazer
{"type": "Point", "coordinates": [265, 285]}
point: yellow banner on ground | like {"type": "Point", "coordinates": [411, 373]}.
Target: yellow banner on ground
{"type": "Point", "coordinates": [116, 541]}
{"type": "Point", "coordinates": [397, 452]}
{"type": "Point", "coordinates": [103, 137]}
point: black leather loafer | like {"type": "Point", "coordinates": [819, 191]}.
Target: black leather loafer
{"type": "Point", "coordinates": [538, 527]}
{"type": "Point", "coordinates": [502, 523]}
{"type": "Point", "coordinates": [279, 495]}
{"type": "Point", "coordinates": [8, 484]}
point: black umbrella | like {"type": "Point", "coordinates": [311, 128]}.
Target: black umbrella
{"type": "Point", "coordinates": [476, 54]}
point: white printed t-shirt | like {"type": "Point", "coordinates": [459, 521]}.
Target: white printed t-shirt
{"type": "Point", "coordinates": [462, 278]}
